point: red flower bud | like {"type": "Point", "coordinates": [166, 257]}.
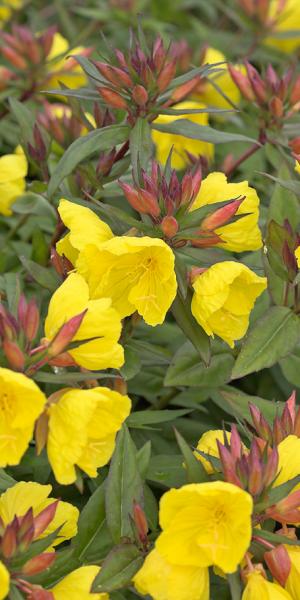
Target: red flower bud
{"type": "Point", "coordinates": [14, 355]}
{"type": "Point", "coordinates": [279, 563]}
{"type": "Point", "coordinates": [185, 89]}
{"type": "Point", "coordinates": [242, 82]}
{"type": "Point", "coordinates": [42, 520]}
{"type": "Point", "coordinates": [31, 324]}
{"type": "Point", "coordinates": [257, 84]}
{"type": "Point", "coordinates": [112, 98]}
{"type": "Point", "coordinates": [9, 539]}
{"type": "Point", "coordinates": [66, 334]}
{"type": "Point", "coordinates": [39, 563]}
{"type": "Point", "coordinates": [166, 75]}
{"type": "Point", "coordinates": [276, 107]}
{"type": "Point", "coordinates": [141, 200]}
{"type": "Point", "coordinates": [206, 239]}
{"type": "Point", "coordinates": [221, 216]}
{"type": "Point", "coordinates": [169, 226]}
{"type": "Point", "coordinates": [140, 95]}
{"type": "Point", "coordinates": [140, 522]}
{"type": "Point", "coordinates": [14, 58]}
{"type": "Point", "coordinates": [295, 93]}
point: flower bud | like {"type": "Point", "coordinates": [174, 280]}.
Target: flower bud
{"type": "Point", "coordinates": [66, 334]}
{"type": "Point", "coordinates": [141, 200]}
{"type": "Point", "coordinates": [112, 98]}
{"type": "Point", "coordinates": [39, 563]}
{"type": "Point", "coordinates": [14, 355]}
{"type": "Point", "coordinates": [242, 82]}
{"type": "Point", "coordinates": [169, 226]}
{"type": "Point", "coordinates": [221, 216]}
{"type": "Point", "coordinates": [14, 58]}
{"type": "Point", "coordinates": [44, 518]}
{"type": "Point", "coordinates": [32, 322]}
{"type": "Point", "coordinates": [185, 89]}
{"type": "Point", "coordinates": [140, 95]}
{"type": "Point", "coordinates": [257, 84]}
{"type": "Point", "coordinates": [286, 510]}
{"type": "Point", "coordinates": [140, 521]}
{"type": "Point", "coordinates": [166, 75]}
{"type": "Point", "coordinates": [9, 539]}
{"type": "Point", "coordinates": [276, 107]}
{"type": "Point", "coordinates": [206, 239]}
{"type": "Point", "coordinates": [279, 563]}
{"type": "Point", "coordinates": [295, 93]}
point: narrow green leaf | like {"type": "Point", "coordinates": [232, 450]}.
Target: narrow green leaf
{"type": "Point", "coordinates": [273, 337]}
{"type": "Point", "coordinates": [282, 491]}
{"type": "Point", "coordinates": [235, 585]}
{"type": "Point", "coordinates": [141, 146]}
{"type": "Point", "coordinates": [236, 403]}
{"type": "Point", "coordinates": [123, 487]}
{"type": "Point", "coordinates": [70, 378]}
{"type": "Point", "coordinates": [46, 278]}
{"type": "Point", "coordinates": [194, 468]}
{"type": "Point", "coordinates": [149, 417]}
{"type": "Point", "coordinates": [90, 524]}
{"type": "Point", "coordinates": [99, 139]}
{"type": "Point", "coordinates": [118, 568]}
{"type": "Point", "coordinates": [181, 310]}
{"type": "Point", "coordinates": [186, 368]}
{"type": "Point", "coordinates": [205, 133]}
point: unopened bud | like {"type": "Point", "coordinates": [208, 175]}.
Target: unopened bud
{"type": "Point", "coordinates": [39, 563]}
{"type": "Point", "coordinates": [112, 98]}
{"type": "Point", "coordinates": [140, 522]}
{"type": "Point", "coordinates": [31, 324]}
{"type": "Point", "coordinates": [141, 200]}
{"type": "Point", "coordinates": [221, 216]}
{"type": "Point", "coordinates": [66, 334]}
{"type": "Point", "coordinates": [44, 518]}
{"type": "Point", "coordinates": [255, 480]}
{"type": "Point", "coordinates": [276, 107]}
{"type": "Point", "coordinates": [257, 84]}
{"type": "Point", "coordinates": [169, 226]}
{"type": "Point", "coordinates": [166, 75]}
{"type": "Point", "coordinates": [185, 89]}
{"type": "Point", "coordinates": [295, 93]}
{"type": "Point", "coordinates": [286, 510]}
{"type": "Point", "coordinates": [41, 432]}
{"type": "Point", "coordinates": [140, 95]}
{"type": "Point", "coordinates": [279, 563]}
{"type": "Point", "coordinates": [195, 272]}
{"type": "Point", "coordinates": [206, 239]}
{"type": "Point", "coordinates": [242, 82]}
{"type": "Point", "coordinates": [14, 58]}
{"type": "Point", "coordinates": [9, 539]}
{"type": "Point", "coordinates": [14, 355]}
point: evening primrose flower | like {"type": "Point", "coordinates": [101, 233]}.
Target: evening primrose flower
{"type": "Point", "coordinates": [84, 228]}
{"type": "Point", "coordinates": [207, 93]}
{"type": "Point", "coordinates": [4, 575]}
{"type": "Point", "coordinates": [260, 588]}
{"type": "Point", "coordinates": [205, 524]}
{"type": "Point", "coordinates": [289, 460]}
{"type": "Point", "coordinates": [137, 273]}
{"type": "Point", "coordinates": [93, 418]}
{"type": "Point", "coordinates": [166, 581]}
{"type": "Point", "coordinates": [243, 234]}
{"type": "Point", "coordinates": [21, 403]}
{"type": "Point", "coordinates": [13, 170]}
{"type": "Point", "coordinates": [62, 69]}
{"type": "Point", "coordinates": [292, 584]}
{"type": "Point", "coordinates": [208, 445]}
{"type": "Point", "coordinates": [181, 145]}
{"type": "Point", "coordinates": [286, 16]}
{"type": "Point", "coordinates": [101, 325]}
{"type": "Point", "coordinates": [77, 585]}
{"type": "Point", "coordinates": [18, 499]}
{"type": "Point", "coordinates": [224, 296]}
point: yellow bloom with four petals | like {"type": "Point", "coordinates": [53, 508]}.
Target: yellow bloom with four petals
{"type": "Point", "coordinates": [137, 273]}
{"type": "Point", "coordinates": [166, 581]}
{"type": "Point", "coordinates": [223, 298]}
{"type": "Point", "coordinates": [21, 403]}
{"type": "Point", "coordinates": [18, 499]}
{"type": "Point", "coordinates": [82, 430]}
{"type": "Point", "coordinates": [181, 145]}
{"type": "Point", "coordinates": [205, 524]}
{"type": "Point", "coordinates": [77, 584]}
{"type": "Point", "coordinates": [101, 325]}
{"type": "Point", "coordinates": [243, 234]}
{"type": "Point", "coordinates": [13, 170]}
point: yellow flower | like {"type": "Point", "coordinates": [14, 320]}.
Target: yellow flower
{"type": "Point", "coordinates": [82, 430]}
{"type": "Point", "coordinates": [63, 69]}
{"type": "Point", "coordinates": [244, 233]}
{"type": "Point", "coordinates": [208, 94]}
{"type": "Point", "coordinates": [17, 500]}
{"type": "Point", "coordinates": [258, 588]}
{"type": "Point", "coordinates": [101, 322]}
{"type": "Point", "coordinates": [297, 166]}
{"type": "Point", "coordinates": [85, 228]}
{"type": "Point", "coordinates": [287, 20]}
{"type": "Point", "coordinates": [77, 585]}
{"type": "Point", "coordinates": [165, 581]}
{"type": "Point", "coordinates": [181, 145]}
{"type": "Point", "coordinates": [208, 445]}
{"type": "Point", "coordinates": [6, 9]}
{"type": "Point", "coordinates": [205, 524]}
{"type": "Point", "coordinates": [289, 460]}
{"type": "Point", "coordinates": [21, 403]}
{"type": "Point", "coordinates": [4, 575]}
{"type": "Point", "coordinates": [137, 273]}
{"type": "Point", "coordinates": [292, 584]}
{"type": "Point", "coordinates": [13, 170]}
{"type": "Point", "coordinates": [297, 254]}
{"type": "Point", "coordinates": [224, 297]}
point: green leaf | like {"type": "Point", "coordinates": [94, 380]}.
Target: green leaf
{"type": "Point", "coordinates": [6, 481]}
{"type": "Point", "coordinates": [186, 368]}
{"type": "Point", "coordinates": [273, 337]}
{"type": "Point", "coordinates": [34, 204]}
{"type": "Point", "coordinates": [70, 378]}
{"type": "Point", "coordinates": [123, 487]}
{"type": "Point", "coordinates": [282, 491]}
{"type": "Point", "coordinates": [275, 538]}
{"type": "Point", "coordinates": [194, 468]}
{"type": "Point", "coordinates": [181, 310]}
{"type": "Point", "coordinates": [46, 278]}
{"type": "Point", "coordinates": [100, 139]}
{"type": "Point", "coordinates": [91, 523]}
{"type": "Point", "coordinates": [118, 568]}
{"type": "Point", "coordinates": [143, 456]}
{"type": "Point", "coordinates": [141, 146]}
{"type": "Point", "coordinates": [36, 548]}
{"type": "Point", "coordinates": [25, 118]}
{"type": "Point", "coordinates": [143, 418]}
{"type": "Point", "coordinates": [167, 470]}
{"type": "Point", "coordinates": [236, 403]}
{"type": "Point", "coordinates": [132, 363]}
{"type": "Point", "coordinates": [235, 585]}
{"type": "Point", "coordinates": [205, 133]}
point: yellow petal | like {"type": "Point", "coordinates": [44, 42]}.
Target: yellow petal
{"type": "Point", "coordinates": [258, 588]}
{"type": "Point", "coordinates": [77, 585]}
{"type": "Point", "coordinates": [84, 225]}
{"type": "Point", "coordinates": [4, 581]}
{"type": "Point", "coordinates": [70, 299]}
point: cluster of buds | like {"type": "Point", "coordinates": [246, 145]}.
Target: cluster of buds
{"type": "Point", "coordinates": [288, 423]}
{"type": "Point", "coordinates": [281, 243]}
{"type": "Point", "coordinates": [167, 202]}
{"type": "Point", "coordinates": [17, 539]}
{"type": "Point", "coordinates": [253, 470]}
{"type": "Point", "coordinates": [140, 82]}
{"type": "Point", "coordinates": [278, 98]}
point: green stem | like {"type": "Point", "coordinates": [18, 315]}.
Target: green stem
{"type": "Point", "coordinates": [235, 586]}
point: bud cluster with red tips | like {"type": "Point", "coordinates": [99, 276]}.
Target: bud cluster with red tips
{"type": "Point", "coordinates": [25, 50]}
{"type": "Point", "coordinates": [281, 243]}
{"type": "Point", "coordinates": [167, 201]}
{"type": "Point", "coordinates": [138, 83]}
{"type": "Point", "coordinates": [286, 424]}
{"type": "Point", "coordinates": [17, 539]}
{"type": "Point", "coordinates": [278, 98]}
